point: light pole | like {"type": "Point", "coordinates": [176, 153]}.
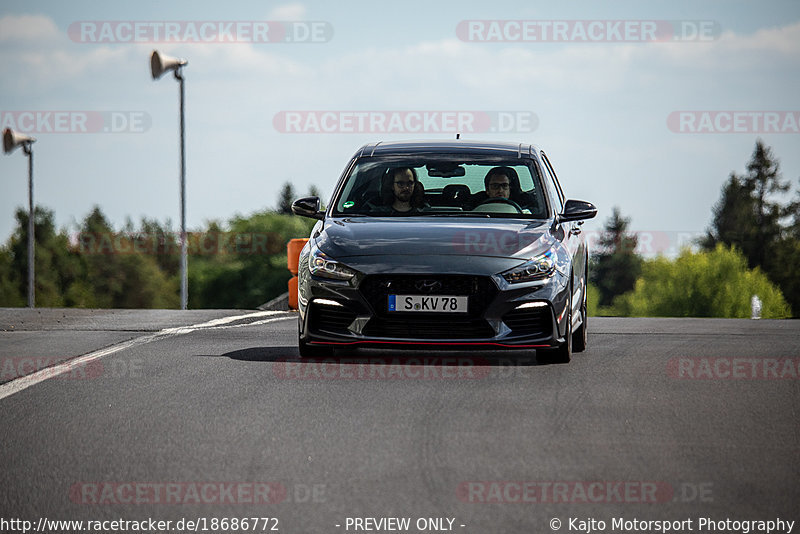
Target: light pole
{"type": "Point", "coordinates": [160, 64]}
{"type": "Point", "coordinates": [12, 140]}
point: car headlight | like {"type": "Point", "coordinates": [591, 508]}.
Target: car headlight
{"type": "Point", "coordinates": [320, 264]}
{"type": "Point", "coordinates": [537, 268]}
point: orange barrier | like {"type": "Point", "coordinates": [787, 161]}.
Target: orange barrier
{"type": "Point", "coordinates": [293, 293]}
{"type": "Point", "coordinates": [293, 248]}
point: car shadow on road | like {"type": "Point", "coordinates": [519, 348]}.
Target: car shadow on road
{"type": "Point", "coordinates": [263, 354]}
{"type": "Point", "coordinates": [389, 357]}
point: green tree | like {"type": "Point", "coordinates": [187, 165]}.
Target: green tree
{"type": "Point", "coordinates": [97, 249]}
{"type": "Point", "coordinates": [10, 285]}
{"type": "Point", "coordinates": [734, 215]}
{"type": "Point", "coordinates": [787, 261]}
{"type": "Point", "coordinates": [241, 264]}
{"type": "Point", "coordinates": [785, 269]}
{"type": "Point", "coordinates": [287, 196]}
{"type": "Point", "coordinates": [793, 213]}
{"type": "Point", "coordinates": [119, 275]}
{"type": "Point", "coordinates": [55, 266]}
{"type": "Point", "coordinates": [714, 283]}
{"type": "Point", "coordinates": [763, 175]}
{"type": "Point", "coordinates": [161, 241]}
{"type": "Point", "coordinates": [747, 215]}
{"type": "Point", "coordinates": [616, 266]}
{"type": "Point", "coordinates": [251, 269]}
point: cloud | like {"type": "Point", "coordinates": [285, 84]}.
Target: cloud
{"type": "Point", "coordinates": [438, 71]}
{"type": "Point", "coordinates": [293, 11]}
{"type": "Point", "coordinates": [27, 29]}
{"type": "Point", "coordinates": [782, 41]}
{"type": "Point", "coordinates": [38, 57]}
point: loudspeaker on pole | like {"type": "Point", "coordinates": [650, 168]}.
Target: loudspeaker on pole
{"type": "Point", "coordinates": [159, 64]}
{"type": "Point", "coordinates": [12, 140]}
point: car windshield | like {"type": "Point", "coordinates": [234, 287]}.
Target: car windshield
{"type": "Point", "coordinates": [441, 187]}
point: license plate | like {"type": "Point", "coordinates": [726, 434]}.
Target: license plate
{"type": "Point", "coordinates": [428, 303]}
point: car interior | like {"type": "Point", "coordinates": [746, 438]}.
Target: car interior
{"type": "Point", "coordinates": [447, 188]}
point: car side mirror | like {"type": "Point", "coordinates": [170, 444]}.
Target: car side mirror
{"type": "Point", "coordinates": [577, 210]}
{"type": "Point", "coordinates": [308, 207]}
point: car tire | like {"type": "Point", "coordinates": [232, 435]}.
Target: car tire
{"type": "Point", "coordinates": [563, 353]}
{"type": "Point", "coordinates": [579, 337]}
{"type": "Point", "coordinates": [313, 351]}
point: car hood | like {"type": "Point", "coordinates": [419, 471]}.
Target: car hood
{"type": "Point", "coordinates": [428, 236]}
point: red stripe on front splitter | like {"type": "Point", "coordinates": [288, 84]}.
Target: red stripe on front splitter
{"type": "Point", "coordinates": [442, 344]}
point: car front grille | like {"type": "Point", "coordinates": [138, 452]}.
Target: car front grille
{"type": "Point", "coordinates": [376, 289]}
{"type": "Point", "coordinates": [480, 291]}
{"type": "Point", "coordinates": [536, 321]}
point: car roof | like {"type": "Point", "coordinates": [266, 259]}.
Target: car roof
{"type": "Point", "coordinates": [450, 146]}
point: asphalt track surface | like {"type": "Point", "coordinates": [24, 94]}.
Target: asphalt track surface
{"type": "Point", "coordinates": [170, 415]}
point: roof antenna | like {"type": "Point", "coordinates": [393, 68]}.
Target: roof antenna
{"type": "Point", "coordinates": [458, 135]}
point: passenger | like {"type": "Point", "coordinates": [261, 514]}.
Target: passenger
{"type": "Point", "coordinates": [401, 192]}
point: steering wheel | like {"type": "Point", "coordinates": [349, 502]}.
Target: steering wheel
{"type": "Point", "coordinates": [501, 200]}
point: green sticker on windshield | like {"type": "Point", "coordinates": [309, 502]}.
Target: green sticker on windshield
{"type": "Point", "coordinates": [349, 204]}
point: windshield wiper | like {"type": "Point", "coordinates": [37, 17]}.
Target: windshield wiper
{"type": "Point", "coordinates": [456, 214]}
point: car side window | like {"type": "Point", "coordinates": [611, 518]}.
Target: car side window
{"type": "Point", "coordinates": [553, 190]}
{"type": "Point", "coordinates": [555, 179]}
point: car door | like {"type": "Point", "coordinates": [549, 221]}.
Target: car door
{"type": "Point", "coordinates": [571, 235]}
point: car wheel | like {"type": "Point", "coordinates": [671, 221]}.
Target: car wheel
{"type": "Point", "coordinates": [579, 337]}
{"type": "Point", "coordinates": [313, 351]}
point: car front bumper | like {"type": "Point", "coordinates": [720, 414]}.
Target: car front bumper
{"type": "Point", "coordinates": [500, 315]}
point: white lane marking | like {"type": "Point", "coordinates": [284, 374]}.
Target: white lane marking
{"type": "Point", "coordinates": [24, 382]}
{"type": "Point", "coordinates": [232, 318]}
{"type": "Point", "coordinates": [257, 323]}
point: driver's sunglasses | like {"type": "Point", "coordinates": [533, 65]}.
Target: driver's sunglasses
{"type": "Point", "coordinates": [499, 186]}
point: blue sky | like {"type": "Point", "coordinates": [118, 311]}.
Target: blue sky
{"type": "Point", "coordinates": [601, 108]}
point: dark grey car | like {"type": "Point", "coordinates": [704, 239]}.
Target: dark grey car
{"type": "Point", "coordinates": [466, 266]}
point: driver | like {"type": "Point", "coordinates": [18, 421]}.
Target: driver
{"type": "Point", "coordinates": [498, 183]}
